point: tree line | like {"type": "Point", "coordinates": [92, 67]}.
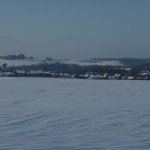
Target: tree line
{"type": "Point", "coordinates": [76, 69]}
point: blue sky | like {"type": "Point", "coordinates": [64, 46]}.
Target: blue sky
{"type": "Point", "coordinates": [75, 28]}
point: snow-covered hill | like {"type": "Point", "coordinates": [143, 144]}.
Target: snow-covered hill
{"type": "Point", "coordinates": [18, 62]}
{"type": "Point", "coordinates": [65, 61]}
{"type": "Point", "coordinates": [89, 62]}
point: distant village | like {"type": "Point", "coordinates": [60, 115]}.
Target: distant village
{"type": "Point", "coordinates": [70, 71]}
{"type": "Point", "coordinates": [88, 75]}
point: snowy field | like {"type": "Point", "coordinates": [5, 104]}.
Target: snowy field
{"type": "Point", "coordinates": [68, 114]}
{"type": "Point", "coordinates": [90, 63]}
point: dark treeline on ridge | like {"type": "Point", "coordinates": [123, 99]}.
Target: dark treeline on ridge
{"type": "Point", "coordinates": [14, 57]}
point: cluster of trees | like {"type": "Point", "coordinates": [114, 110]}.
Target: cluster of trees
{"type": "Point", "coordinates": [13, 57]}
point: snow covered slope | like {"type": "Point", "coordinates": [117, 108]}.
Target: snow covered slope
{"type": "Point", "coordinates": [18, 62]}
{"type": "Point", "coordinates": [89, 63]}
{"type": "Point", "coordinates": [77, 62]}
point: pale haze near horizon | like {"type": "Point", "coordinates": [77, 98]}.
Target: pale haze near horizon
{"type": "Point", "coordinates": [75, 28]}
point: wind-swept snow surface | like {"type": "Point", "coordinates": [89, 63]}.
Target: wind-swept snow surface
{"type": "Point", "coordinates": [61, 114]}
